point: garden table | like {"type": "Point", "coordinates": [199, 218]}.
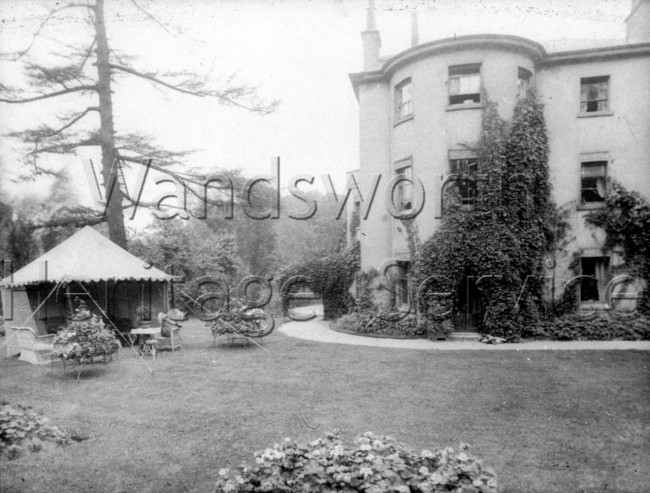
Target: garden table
{"type": "Point", "coordinates": [144, 338]}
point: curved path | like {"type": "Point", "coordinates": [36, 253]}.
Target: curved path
{"type": "Point", "coordinates": [318, 330]}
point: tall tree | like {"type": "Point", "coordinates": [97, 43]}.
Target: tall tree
{"type": "Point", "coordinates": [78, 76]}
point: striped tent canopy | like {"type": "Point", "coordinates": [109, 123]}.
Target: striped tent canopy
{"type": "Point", "coordinates": [87, 256]}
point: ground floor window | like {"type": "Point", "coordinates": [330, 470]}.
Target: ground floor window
{"type": "Point", "coordinates": [400, 277]}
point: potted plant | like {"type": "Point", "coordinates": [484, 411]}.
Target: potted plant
{"type": "Point", "coordinates": [143, 315]}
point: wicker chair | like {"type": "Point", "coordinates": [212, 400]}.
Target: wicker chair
{"type": "Point", "coordinates": [170, 333]}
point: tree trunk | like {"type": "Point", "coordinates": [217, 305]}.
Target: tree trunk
{"type": "Point", "coordinates": [114, 212]}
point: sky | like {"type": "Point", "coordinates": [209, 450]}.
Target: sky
{"type": "Point", "coordinates": [299, 52]}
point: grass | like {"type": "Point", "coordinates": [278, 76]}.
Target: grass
{"type": "Point", "coordinates": [545, 421]}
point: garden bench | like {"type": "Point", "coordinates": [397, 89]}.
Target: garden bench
{"type": "Point", "coordinates": [33, 348]}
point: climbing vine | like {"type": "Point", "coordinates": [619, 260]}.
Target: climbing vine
{"type": "Point", "coordinates": [499, 244]}
{"type": "Point", "coordinates": [626, 221]}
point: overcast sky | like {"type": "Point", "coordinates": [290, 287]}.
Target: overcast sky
{"type": "Point", "coordinates": [297, 51]}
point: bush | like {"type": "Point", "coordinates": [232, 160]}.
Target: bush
{"type": "Point", "coordinates": [82, 340]}
{"type": "Point", "coordinates": [331, 276]}
{"type": "Point", "coordinates": [381, 323]}
{"type": "Point", "coordinates": [19, 426]}
{"type": "Point", "coordinates": [373, 465]}
{"type": "Point", "coordinates": [596, 328]}
{"type": "Point", "coordinates": [242, 321]}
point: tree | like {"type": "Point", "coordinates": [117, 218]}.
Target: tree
{"type": "Point", "coordinates": [90, 72]}
{"type": "Point", "coordinates": [316, 236]}
{"type": "Point", "coordinates": [190, 249]}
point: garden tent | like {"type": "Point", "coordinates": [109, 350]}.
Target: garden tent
{"type": "Point", "coordinates": [89, 268]}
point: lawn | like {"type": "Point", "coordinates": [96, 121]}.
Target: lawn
{"type": "Point", "coordinates": [545, 421]}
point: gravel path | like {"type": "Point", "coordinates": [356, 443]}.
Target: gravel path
{"type": "Point", "coordinates": [318, 330]}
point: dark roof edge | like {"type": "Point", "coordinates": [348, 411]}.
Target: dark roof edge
{"type": "Point", "coordinates": [594, 54]}
{"type": "Point", "coordinates": [536, 50]}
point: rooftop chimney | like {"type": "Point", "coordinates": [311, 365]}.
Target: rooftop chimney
{"type": "Point", "coordinates": [638, 22]}
{"type": "Point", "coordinates": [371, 39]}
{"type": "Point", "coordinates": [414, 29]}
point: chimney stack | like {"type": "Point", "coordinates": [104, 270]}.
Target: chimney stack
{"type": "Point", "coordinates": [415, 37]}
{"type": "Point", "coordinates": [371, 39]}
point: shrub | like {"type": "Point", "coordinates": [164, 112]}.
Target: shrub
{"type": "Point", "coordinates": [242, 321]}
{"type": "Point", "coordinates": [381, 323]}
{"type": "Point", "coordinates": [331, 276]}
{"type": "Point", "coordinates": [82, 340]}
{"type": "Point", "coordinates": [19, 426]}
{"type": "Point", "coordinates": [596, 328]}
{"type": "Point", "coordinates": [373, 465]}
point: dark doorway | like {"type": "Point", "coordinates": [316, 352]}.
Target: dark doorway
{"type": "Point", "coordinates": [468, 307]}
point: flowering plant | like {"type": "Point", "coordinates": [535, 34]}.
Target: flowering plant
{"type": "Point", "coordinates": [240, 321]}
{"type": "Point", "coordinates": [81, 340]}
{"type": "Point", "coordinates": [374, 465]}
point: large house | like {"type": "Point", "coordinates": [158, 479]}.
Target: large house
{"type": "Point", "coordinates": [420, 110]}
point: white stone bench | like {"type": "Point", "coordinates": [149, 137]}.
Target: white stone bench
{"type": "Point", "coordinates": [34, 348]}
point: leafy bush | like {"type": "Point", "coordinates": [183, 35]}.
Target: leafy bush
{"type": "Point", "coordinates": [81, 340]}
{"type": "Point", "coordinates": [19, 427]}
{"type": "Point", "coordinates": [331, 276]}
{"type": "Point", "coordinates": [597, 328]}
{"type": "Point", "coordinates": [381, 323]}
{"type": "Point", "coordinates": [373, 465]}
{"type": "Point", "coordinates": [242, 321]}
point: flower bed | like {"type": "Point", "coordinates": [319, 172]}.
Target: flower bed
{"type": "Point", "coordinates": [375, 464]}
{"type": "Point", "coordinates": [380, 324]}
{"type": "Point", "coordinates": [22, 429]}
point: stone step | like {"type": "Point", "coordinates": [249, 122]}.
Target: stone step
{"type": "Point", "coordinates": [465, 336]}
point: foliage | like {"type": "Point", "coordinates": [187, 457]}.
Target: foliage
{"type": "Point", "coordinates": [19, 427]}
{"type": "Point", "coordinates": [382, 322]}
{"type": "Point", "coordinates": [190, 249]}
{"type": "Point", "coordinates": [504, 238]}
{"type": "Point", "coordinates": [242, 321]}
{"type": "Point", "coordinates": [89, 69]}
{"type": "Point", "coordinates": [626, 221]}
{"type": "Point", "coordinates": [374, 465]}
{"type": "Point", "coordinates": [596, 328]}
{"type": "Point", "coordinates": [316, 236]}
{"type": "Point", "coordinates": [81, 340]}
{"type": "Point", "coordinates": [331, 276]}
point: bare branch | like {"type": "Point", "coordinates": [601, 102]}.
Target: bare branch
{"type": "Point", "coordinates": [198, 89]}
{"type": "Point", "coordinates": [19, 54]}
{"type": "Point", "coordinates": [74, 120]}
{"type": "Point", "coordinates": [68, 221]}
{"type": "Point", "coordinates": [154, 19]}
{"type": "Point", "coordinates": [66, 147]}
{"type": "Point", "coordinates": [51, 95]}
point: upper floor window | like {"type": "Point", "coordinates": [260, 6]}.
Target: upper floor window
{"type": "Point", "coordinates": [465, 167]}
{"type": "Point", "coordinates": [594, 94]}
{"type": "Point", "coordinates": [403, 100]}
{"type": "Point", "coordinates": [464, 84]}
{"type": "Point", "coordinates": [523, 81]}
{"type": "Point", "coordinates": [593, 180]}
{"type": "Point", "coordinates": [404, 189]}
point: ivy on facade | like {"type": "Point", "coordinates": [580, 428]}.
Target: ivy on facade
{"type": "Point", "coordinates": [626, 221]}
{"type": "Point", "coordinates": [500, 244]}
